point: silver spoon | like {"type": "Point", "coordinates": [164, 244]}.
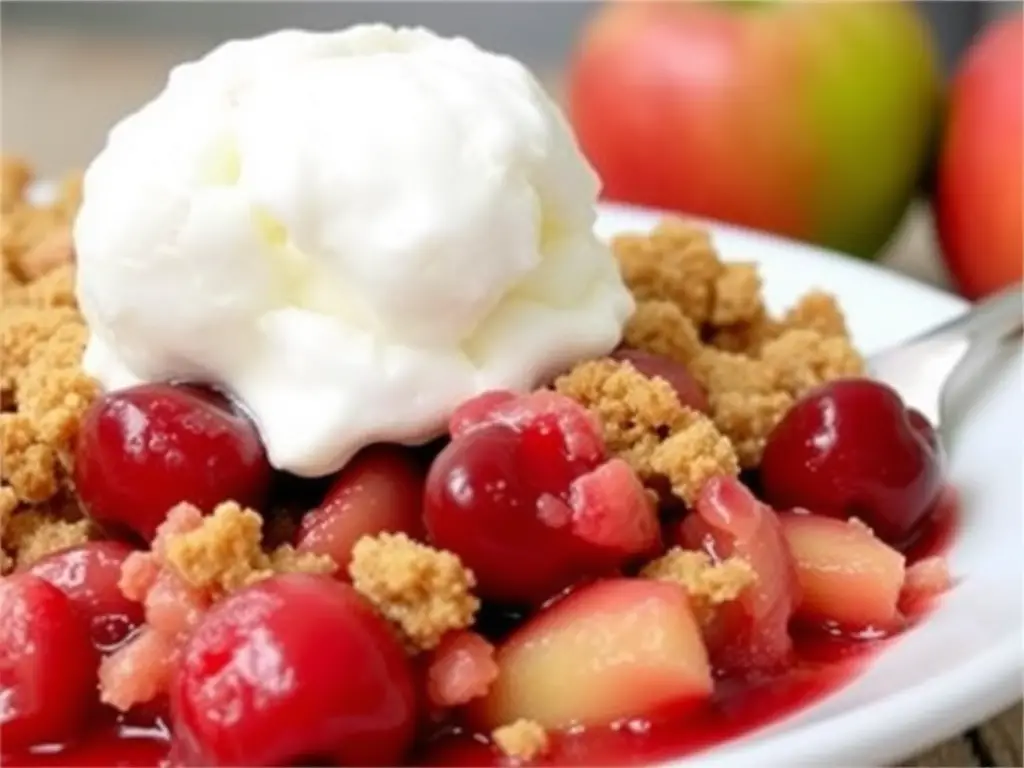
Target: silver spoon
{"type": "Point", "coordinates": [929, 371]}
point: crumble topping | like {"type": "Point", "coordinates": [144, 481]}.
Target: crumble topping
{"type": "Point", "coordinates": [737, 295]}
{"type": "Point", "coordinates": [802, 359]}
{"type": "Point", "coordinates": [676, 262]}
{"type": "Point", "coordinates": [43, 391]}
{"type": "Point", "coordinates": [644, 423]}
{"type": "Point", "coordinates": [224, 552]}
{"type": "Point", "coordinates": [425, 592]}
{"type": "Point", "coordinates": [37, 531]}
{"type": "Point", "coordinates": [707, 583]}
{"type": "Point", "coordinates": [817, 311]}
{"type": "Point", "coordinates": [521, 740]}
{"type": "Point", "coordinates": [661, 327]}
{"type": "Point", "coordinates": [752, 366]}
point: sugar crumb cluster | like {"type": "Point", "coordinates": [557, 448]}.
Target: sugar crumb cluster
{"type": "Point", "coordinates": [644, 423]}
{"type": "Point", "coordinates": [43, 391]}
{"type": "Point", "coordinates": [425, 592]}
{"type": "Point", "coordinates": [710, 317]}
{"type": "Point", "coordinates": [521, 740]}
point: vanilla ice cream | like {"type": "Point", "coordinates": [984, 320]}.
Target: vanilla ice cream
{"type": "Point", "coordinates": [352, 232]}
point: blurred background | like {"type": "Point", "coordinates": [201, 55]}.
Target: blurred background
{"type": "Point", "coordinates": [85, 64]}
{"type": "Point", "coordinates": [71, 69]}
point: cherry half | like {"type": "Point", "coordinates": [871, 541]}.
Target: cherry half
{"type": "Point", "coordinates": [142, 450]}
{"type": "Point", "coordinates": [525, 495]}
{"type": "Point", "coordinates": [851, 448]}
{"type": "Point", "coordinates": [295, 670]}
{"type": "Point", "coordinates": [47, 664]}
{"type": "Point", "coordinates": [89, 575]}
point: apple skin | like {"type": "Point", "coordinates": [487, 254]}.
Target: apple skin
{"type": "Point", "coordinates": [811, 120]}
{"type": "Point", "coordinates": [979, 204]}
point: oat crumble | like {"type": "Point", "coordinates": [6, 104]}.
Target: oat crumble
{"type": "Point", "coordinates": [752, 366]}
{"type": "Point", "coordinates": [225, 552]}
{"type": "Point", "coordinates": [425, 592]}
{"type": "Point", "coordinates": [644, 423]}
{"type": "Point", "coordinates": [521, 740]}
{"type": "Point", "coordinates": [708, 584]}
{"type": "Point", "coordinates": [43, 391]}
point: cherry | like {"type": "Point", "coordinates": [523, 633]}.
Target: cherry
{"type": "Point", "coordinates": [750, 633]}
{"type": "Point", "coordinates": [381, 489]}
{"type": "Point", "coordinates": [47, 664]}
{"type": "Point", "coordinates": [142, 450]}
{"type": "Point", "coordinates": [852, 449]}
{"type": "Point", "coordinates": [89, 575]}
{"type": "Point", "coordinates": [688, 389]}
{"type": "Point", "coordinates": [525, 496]}
{"type": "Point", "coordinates": [293, 670]}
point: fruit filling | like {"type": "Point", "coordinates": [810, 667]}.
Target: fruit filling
{"type": "Point", "coordinates": [659, 549]}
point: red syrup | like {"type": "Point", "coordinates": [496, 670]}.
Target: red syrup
{"type": "Point", "coordinates": [824, 661]}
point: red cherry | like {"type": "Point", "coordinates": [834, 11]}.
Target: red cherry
{"type": "Point", "coordinates": [688, 390]}
{"type": "Point", "coordinates": [851, 449]}
{"type": "Point", "coordinates": [293, 670]}
{"type": "Point", "coordinates": [142, 450]}
{"type": "Point", "coordinates": [89, 575]}
{"type": "Point", "coordinates": [525, 497]}
{"type": "Point", "coordinates": [381, 489]}
{"type": "Point", "coordinates": [47, 664]}
{"type": "Point", "coordinates": [752, 632]}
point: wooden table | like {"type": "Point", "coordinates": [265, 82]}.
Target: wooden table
{"type": "Point", "coordinates": [63, 90]}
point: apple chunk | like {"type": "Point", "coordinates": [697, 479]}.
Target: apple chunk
{"type": "Point", "coordinates": [613, 649]}
{"type": "Point", "coordinates": [847, 575]}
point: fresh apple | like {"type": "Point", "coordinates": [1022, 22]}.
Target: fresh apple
{"type": "Point", "coordinates": [979, 201]}
{"type": "Point", "coordinates": [812, 120]}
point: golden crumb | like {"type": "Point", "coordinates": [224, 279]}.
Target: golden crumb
{"type": "Point", "coordinates": [800, 360]}
{"type": "Point", "coordinates": [521, 740]}
{"type": "Point", "coordinates": [36, 532]}
{"type": "Point", "coordinates": [676, 262]}
{"type": "Point", "coordinates": [707, 584]}
{"type": "Point", "coordinates": [817, 311]}
{"type": "Point", "coordinates": [711, 582]}
{"type": "Point", "coordinates": [644, 423]}
{"type": "Point", "coordinates": [748, 419]}
{"type": "Point", "coordinates": [284, 558]}
{"type": "Point", "coordinates": [719, 371]}
{"type": "Point", "coordinates": [747, 337]}
{"type": "Point", "coordinates": [737, 295]}
{"type": "Point", "coordinates": [661, 328]}
{"type": "Point", "coordinates": [424, 591]}
{"type": "Point", "coordinates": [693, 455]}
{"type": "Point", "coordinates": [225, 552]}
{"type": "Point", "coordinates": [43, 391]}
{"type": "Point", "coordinates": [635, 412]}
{"type": "Point", "coordinates": [27, 465]}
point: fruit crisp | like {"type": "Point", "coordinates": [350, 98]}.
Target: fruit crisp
{"type": "Point", "coordinates": [628, 464]}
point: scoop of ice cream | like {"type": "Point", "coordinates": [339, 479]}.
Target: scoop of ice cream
{"type": "Point", "coordinates": [352, 232]}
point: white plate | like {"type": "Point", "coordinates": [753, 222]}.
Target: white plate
{"type": "Point", "coordinates": [964, 663]}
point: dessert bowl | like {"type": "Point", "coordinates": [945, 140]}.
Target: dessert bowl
{"type": "Point", "coordinates": [963, 662]}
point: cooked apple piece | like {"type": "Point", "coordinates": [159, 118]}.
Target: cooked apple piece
{"type": "Point", "coordinates": [924, 581]}
{"type": "Point", "coordinates": [749, 634]}
{"type": "Point", "coordinates": [613, 649]}
{"type": "Point", "coordinates": [847, 574]}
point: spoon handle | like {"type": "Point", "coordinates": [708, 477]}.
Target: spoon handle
{"type": "Point", "coordinates": [990, 320]}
